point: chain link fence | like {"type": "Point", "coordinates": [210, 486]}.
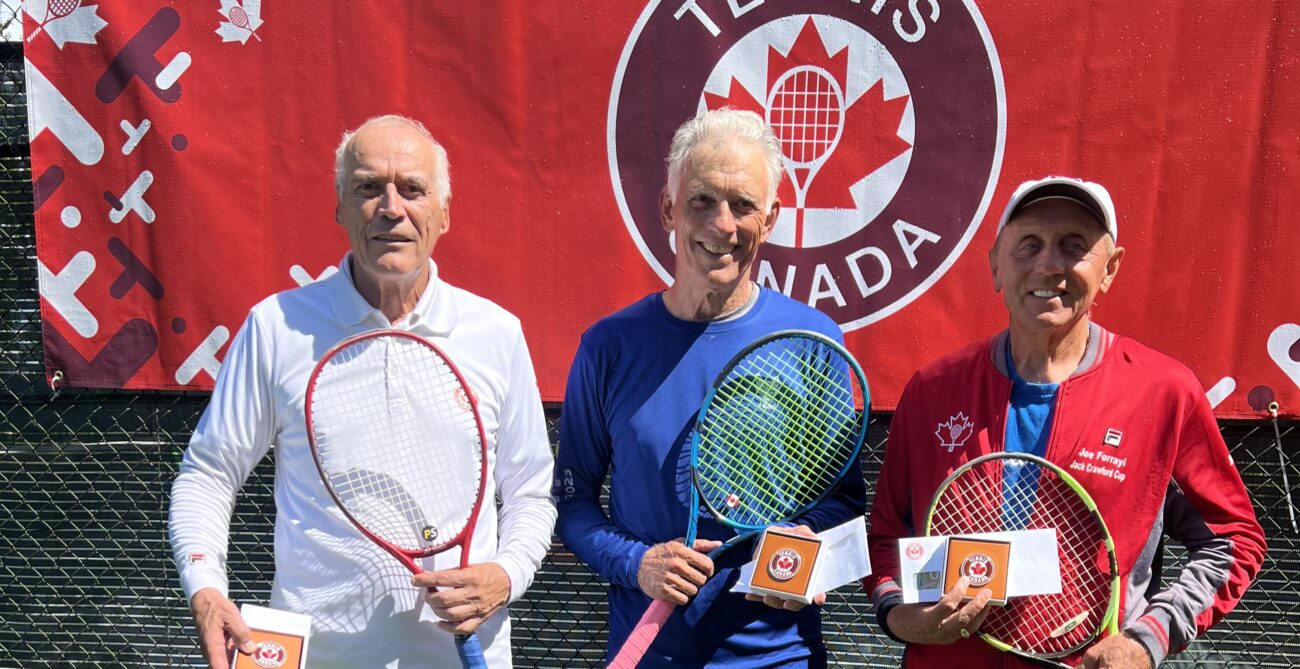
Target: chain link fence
{"type": "Point", "coordinates": [86, 577]}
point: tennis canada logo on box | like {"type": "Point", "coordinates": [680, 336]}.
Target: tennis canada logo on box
{"type": "Point", "coordinates": [979, 568]}
{"type": "Point", "coordinates": [274, 651]}
{"type": "Point", "coordinates": [270, 655]}
{"type": "Point", "coordinates": [983, 561]}
{"type": "Point", "coordinates": [784, 564]}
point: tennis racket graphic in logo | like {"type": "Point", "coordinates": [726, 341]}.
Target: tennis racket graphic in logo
{"type": "Point", "coordinates": [239, 17]}
{"type": "Point", "coordinates": [54, 10]}
{"type": "Point", "coordinates": [243, 18]}
{"type": "Point", "coordinates": [806, 111]}
{"type": "Point", "coordinates": [832, 120]}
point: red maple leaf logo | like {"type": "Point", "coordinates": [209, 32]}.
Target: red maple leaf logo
{"type": "Point", "coordinates": [828, 143]}
{"type": "Point", "coordinates": [785, 563]}
{"type": "Point", "coordinates": [978, 569]}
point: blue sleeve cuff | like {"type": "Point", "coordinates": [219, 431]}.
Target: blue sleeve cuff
{"type": "Point", "coordinates": [633, 567]}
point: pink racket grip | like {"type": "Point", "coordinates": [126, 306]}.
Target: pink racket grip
{"type": "Point", "coordinates": [638, 642]}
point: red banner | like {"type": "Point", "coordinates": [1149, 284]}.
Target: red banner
{"type": "Point", "coordinates": [183, 154]}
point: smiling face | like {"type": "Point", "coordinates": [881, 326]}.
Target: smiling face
{"type": "Point", "coordinates": [718, 216]}
{"type": "Point", "coordinates": [1049, 263]}
{"type": "Point", "coordinates": [389, 204]}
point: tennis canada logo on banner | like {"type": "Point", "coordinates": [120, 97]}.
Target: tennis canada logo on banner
{"type": "Point", "coordinates": [270, 654]}
{"type": "Point", "coordinates": [891, 120]}
{"type": "Point", "coordinates": [978, 567]}
{"type": "Point", "coordinates": [784, 564]}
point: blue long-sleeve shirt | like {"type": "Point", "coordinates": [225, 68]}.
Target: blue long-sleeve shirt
{"type": "Point", "coordinates": [637, 382]}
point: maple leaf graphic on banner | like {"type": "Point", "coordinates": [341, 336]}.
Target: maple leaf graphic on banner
{"type": "Point", "coordinates": [64, 20]}
{"type": "Point", "coordinates": [241, 20]}
{"type": "Point", "coordinates": [829, 142]}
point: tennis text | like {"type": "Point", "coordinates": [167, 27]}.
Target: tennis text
{"type": "Point", "coordinates": [910, 26]}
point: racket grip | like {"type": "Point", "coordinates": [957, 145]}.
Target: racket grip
{"type": "Point", "coordinates": [471, 651]}
{"type": "Point", "coordinates": [638, 642]}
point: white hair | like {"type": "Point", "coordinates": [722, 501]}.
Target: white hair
{"type": "Point", "coordinates": [727, 123]}
{"type": "Point", "coordinates": [441, 168]}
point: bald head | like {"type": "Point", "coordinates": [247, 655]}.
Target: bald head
{"type": "Point", "coordinates": [440, 176]}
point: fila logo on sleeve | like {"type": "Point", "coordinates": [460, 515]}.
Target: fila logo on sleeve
{"type": "Point", "coordinates": [1112, 437]}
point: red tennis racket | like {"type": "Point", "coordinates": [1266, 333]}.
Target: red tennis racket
{"type": "Point", "coordinates": [239, 18]}
{"type": "Point", "coordinates": [55, 9]}
{"type": "Point", "coordinates": [397, 438]}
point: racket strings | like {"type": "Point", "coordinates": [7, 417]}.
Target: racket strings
{"type": "Point", "coordinates": [780, 464]}
{"type": "Point", "coordinates": [61, 8]}
{"type": "Point", "coordinates": [398, 441]}
{"type": "Point", "coordinates": [777, 461]}
{"type": "Point", "coordinates": [780, 430]}
{"type": "Point", "coordinates": [1005, 496]}
{"type": "Point", "coordinates": [806, 112]}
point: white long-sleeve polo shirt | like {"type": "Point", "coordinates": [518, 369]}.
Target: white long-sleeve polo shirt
{"type": "Point", "coordinates": [365, 613]}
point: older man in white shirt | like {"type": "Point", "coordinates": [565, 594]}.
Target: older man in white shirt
{"type": "Point", "coordinates": [366, 609]}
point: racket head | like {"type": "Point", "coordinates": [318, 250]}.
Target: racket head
{"type": "Point", "coordinates": [239, 17]}
{"type": "Point", "coordinates": [1018, 491]}
{"type": "Point", "coordinates": [61, 8]}
{"type": "Point", "coordinates": [806, 111]}
{"type": "Point", "coordinates": [781, 426]}
{"type": "Point", "coordinates": [397, 439]}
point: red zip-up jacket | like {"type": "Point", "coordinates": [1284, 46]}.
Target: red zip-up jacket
{"type": "Point", "coordinates": [1164, 472]}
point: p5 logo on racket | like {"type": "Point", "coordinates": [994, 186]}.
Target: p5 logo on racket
{"type": "Point", "coordinates": [891, 117]}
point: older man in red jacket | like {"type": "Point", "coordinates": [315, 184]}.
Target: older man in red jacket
{"type": "Point", "coordinates": [1057, 385]}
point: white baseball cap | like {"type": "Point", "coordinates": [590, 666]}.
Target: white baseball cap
{"type": "Point", "coordinates": [1089, 194]}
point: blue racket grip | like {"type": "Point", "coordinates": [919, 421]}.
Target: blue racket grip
{"type": "Point", "coordinates": [471, 651]}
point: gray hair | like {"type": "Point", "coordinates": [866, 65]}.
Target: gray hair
{"type": "Point", "coordinates": [441, 168]}
{"type": "Point", "coordinates": [730, 124]}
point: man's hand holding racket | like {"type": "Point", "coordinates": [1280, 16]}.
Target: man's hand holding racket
{"type": "Point", "coordinates": [673, 573]}
{"type": "Point", "coordinates": [221, 628]}
{"type": "Point", "coordinates": [1116, 651]}
{"type": "Point", "coordinates": [464, 598]}
{"type": "Point", "coordinates": [943, 621]}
